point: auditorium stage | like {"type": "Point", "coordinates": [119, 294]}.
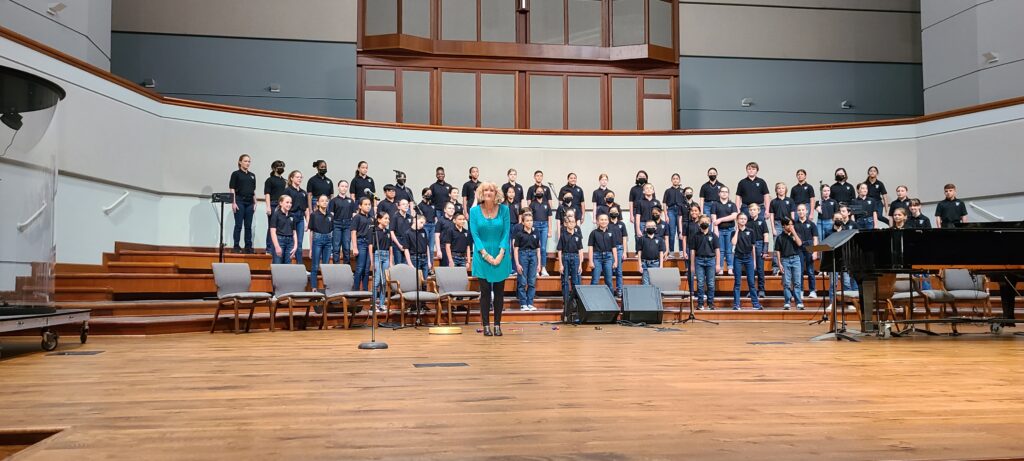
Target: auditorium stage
{"type": "Point", "coordinates": [739, 391]}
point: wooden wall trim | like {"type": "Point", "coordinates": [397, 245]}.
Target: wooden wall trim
{"type": "Point", "coordinates": [131, 86]}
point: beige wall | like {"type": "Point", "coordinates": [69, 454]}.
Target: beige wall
{"type": "Point", "coordinates": [799, 33]}
{"type": "Point", "coordinates": [326, 20]}
{"type": "Point", "coordinates": [882, 5]}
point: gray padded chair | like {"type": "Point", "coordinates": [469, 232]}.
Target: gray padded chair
{"type": "Point", "coordinates": [290, 282]}
{"type": "Point", "coordinates": [233, 281]}
{"type": "Point", "coordinates": [967, 288]}
{"type": "Point", "coordinates": [338, 280]}
{"type": "Point", "coordinates": [403, 282]}
{"type": "Point", "coordinates": [905, 294]}
{"type": "Point", "coordinates": [453, 286]}
{"type": "Point", "coordinates": [667, 280]}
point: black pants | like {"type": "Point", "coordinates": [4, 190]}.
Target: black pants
{"type": "Point", "coordinates": [491, 294]}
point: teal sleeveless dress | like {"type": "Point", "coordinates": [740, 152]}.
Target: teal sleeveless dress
{"type": "Point", "coordinates": [491, 235]}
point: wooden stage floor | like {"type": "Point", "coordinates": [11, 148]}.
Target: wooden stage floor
{"type": "Point", "coordinates": [738, 391]}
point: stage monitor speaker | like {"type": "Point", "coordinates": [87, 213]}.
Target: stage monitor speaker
{"type": "Point", "coordinates": [641, 303]}
{"type": "Point", "coordinates": [595, 304]}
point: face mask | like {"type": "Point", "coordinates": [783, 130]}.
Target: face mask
{"type": "Point", "coordinates": [641, 181]}
{"type": "Point", "coordinates": [840, 177]}
{"type": "Point", "coordinates": [712, 177]}
{"type": "Point", "coordinates": [322, 171]}
{"type": "Point", "coordinates": [279, 171]}
{"type": "Point", "coordinates": [609, 200]}
{"type": "Point", "coordinates": [704, 226]}
{"type": "Point", "coordinates": [688, 196]}
{"type": "Point", "coordinates": [613, 215]}
{"type": "Point", "coordinates": [427, 197]}
{"type": "Point", "coordinates": [400, 182]}
{"type": "Point", "coordinates": [655, 216]}
{"type": "Point", "coordinates": [541, 195]}
{"type": "Point", "coordinates": [651, 230]}
{"type": "Point", "coordinates": [567, 201]}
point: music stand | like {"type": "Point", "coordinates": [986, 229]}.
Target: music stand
{"type": "Point", "coordinates": [828, 247]}
{"type": "Point", "coordinates": [221, 198]}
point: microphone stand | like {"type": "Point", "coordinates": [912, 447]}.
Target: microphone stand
{"type": "Point", "coordinates": [373, 344]}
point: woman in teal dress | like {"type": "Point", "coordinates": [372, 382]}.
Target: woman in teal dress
{"type": "Point", "coordinates": [489, 224]}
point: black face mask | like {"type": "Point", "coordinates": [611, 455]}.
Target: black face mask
{"type": "Point", "coordinates": [609, 200]}
{"type": "Point", "coordinates": [712, 177]}
{"type": "Point", "coordinates": [322, 171]}
{"type": "Point", "coordinates": [400, 182]}
{"type": "Point", "coordinates": [613, 215]}
{"type": "Point", "coordinates": [538, 196]}
{"type": "Point", "coordinates": [567, 201]}
{"type": "Point", "coordinates": [279, 171]}
{"type": "Point", "coordinates": [688, 196]}
{"type": "Point", "coordinates": [704, 226]}
{"type": "Point", "coordinates": [840, 178]}
{"type": "Point", "coordinates": [651, 230]}
{"type": "Point", "coordinates": [641, 181]}
{"type": "Point", "coordinates": [426, 198]}
{"type": "Point", "coordinates": [655, 216]}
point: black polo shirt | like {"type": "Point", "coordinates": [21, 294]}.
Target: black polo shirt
{"type": "Point", "coordinates": [802, 193]}
{"type": "Point", "coordinates": [690, 230]}
{"type": "Point", "coordinates": [577, 195]}
{"type": "Point", "coordinates": [361, 224]}
{"type": "Point", "coordinates": [469, 191]}
{"type": "Point", "coordinates": [416, 242]}
{"type": "Point", "coordinates": [604, 240]}
{"type": "Point", "coordinates": [341, 209]}
{"type": "Point", "coordinates": [760, 227]}
{"type": "Point", "coordinates": [244, 184]}
{"type": "Point", "coordinates": [850, 225]}
{"type": "Point", "coordinates": [387, 206]}
{"type": "Point", "coordinates": [786, 245]}
{"type": "Point", "coordinates": [919, 222]}
{"type": "Point", "coordinates": [650, 247]}
{"type": "Point", "coordinates": [598, 196]}
{"type": "Point", "coordinates": [299, 204]}
{"type": "Point", "coordinates": [950, 211]}
{"type": "Point", "coordinates": [636, 193]}
{"type": "Point", "coordinates": [876, 189]}
{"type": "Point", "coordinates": [533, 189]}
{"type": "Point", "coordinates": [709, 191]}
{"type": "Point", "coordinates": [863, 207]}
{"type": "Point", "coordinates": [541, 211]}
{"type": "Point", "coordinates": [704, 245]}
{"type": "Point", "coordinates": [381, 240]}
{"type": "Point", "coordinates": [427, 211]}
{"type": "Point", "coordinates": [621, 230]}
{"type": "Point", "coordinates": [320, 185]}
{"type": "Point", "coordinates": [562, 210]}
{"type": "Point", "coordinates": [752, 190]}
{"type": "Point", "coordinates": [897, 204]}
{"type": "Point", "coordinates": [745, 241]}
{"type": "Point", "coordinates": [780, 207]}
{"type": "Point", "coordinates": [644, 208]}
{"type": "Point", "coordinates": [674, 199]}
{"type": "Point", "coordinates": [440, 192]}
{"type": "Point", "coordinates": [806, 230]}
{"type": "Point", "coordinates": [320, 223]}
{"type": "Point", "coordinates": [843, 192]}
{"type": "Point", "coordinates": [721, 210]}
{"type": "Point", "coordinates": [458, 209]}
{"type": "Point", "coordinates": [359, 184]}
{"type": "Point", "coordinates": [402, 192]}
{"type": "Point", "coordinates": [662, 231]}
{"type": "Point", "coordinates": [274, 187]}
{"type": "Point", "coordinates": [513, 213]}
{"type": "Point", "coordinates": [519, 191]}
{"type": "Point", "coordinates": [443, 224]}
{"type": "Point", "coordinates": [401, 225]}
{"type": "Point", "coordinates": [283, 224]}
{"type": "Point", "coordinates": [570, 243]}
{"type": "Point", "coordinates": [828, 207]}
{"type": "Point", "coordinates": [460, 240]}
{"type": "Point", "coordinates": [524, 240]}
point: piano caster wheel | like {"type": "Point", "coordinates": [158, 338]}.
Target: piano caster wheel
{"type": "Point", "coordinates": [996, 328]}
{"type": "Point", "coordinates": [886, 331]}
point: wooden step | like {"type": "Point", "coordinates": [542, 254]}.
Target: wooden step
{"type": "Point", "coordinates": [68, 268]}
{"type": "Point", "coordinates": [123, 267]}
{"type": "Point", "coordinates": [64, 294]}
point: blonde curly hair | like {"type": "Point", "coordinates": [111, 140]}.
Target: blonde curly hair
{"type": "Point", "coordinates": [499, 198]}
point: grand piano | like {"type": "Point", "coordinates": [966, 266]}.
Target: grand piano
{"type": "Point", "coordinates": [992, 249]}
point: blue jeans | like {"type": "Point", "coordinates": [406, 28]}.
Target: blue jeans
{"type": "Point", "coordinates": [807, 267]}
{"type": "Point", "coordinates": [645, 278]}
{"type": "Point", "coordinates": [570, 272]}
{"type": "Point", "coordinates": [542, 230]}
{"type": "Point", "coordinates": [602, 266]}
{"type": "Point", "coordinates": [849, 283]}
{"type": "Point", "coordinates": [725, 243]}
{"type": "Point", "coordinates": [399, 255]}
{"type": "Point", "coordinates": [270, 243]}
{"type": "Point", "coordinates": [673, 229]}
{"type": "Point", "coordinates": [459, 261]}
{"type": "Point", "coordinates": [618, 269]}
{"type": "Point", "coordinates": [422, 262]}
{"type": "Point", "coordinates": [286, 243]}
{"type": "Point", "coordinates": [705, 266]}
{"type": "Point", "coordinates": [707, 208]}
{"type": "Point", "coordinates": [744, 265]}
{"type": "Point", "coordinates": [362, 275]}
{"type": "Point", "coordinates": [320, 254]}
{"type": "Point", "coordinates": [526, 282]}
{"type": "Point", "coordinates": [776, 266]}
{"type": "Point", "coordinates": [244, 217]}
{"type": "Point", "coordinates": [824, 228]}
{"type": "Point", "coordinates": [341, 242]}
{"type": "Point", "coordinates": [759, 264]}
{"type": "Point", "coordinates": [791, 287]}
{"type": "Point", "coordinates": [430, 227]}
{"type": "Point", "coordinates": [865, 223]}
{"type": "Point", "coordinates": [300, 232]}
{"type": "Point", "coordinates": [381, 261]}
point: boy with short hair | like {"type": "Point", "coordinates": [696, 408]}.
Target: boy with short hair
{"type": "Point", "coordinates": [743, 262]}
{"type": "Point", "coordinates": [787, 248]}
{"type": "Point", "coordinates": [651, 250]}
{"type": "Point", "coordinates": [705, 257]}
{"type": "Point", "coordinates": [951, 210]}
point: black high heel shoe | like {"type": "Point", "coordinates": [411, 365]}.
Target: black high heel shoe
{"type": "Point", "coordinates": [497, 330]}
{"type": "Point", "coordinates": [487, 331]}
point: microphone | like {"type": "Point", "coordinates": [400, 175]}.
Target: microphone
{"type": "Point", "coordinates": [369, 193]}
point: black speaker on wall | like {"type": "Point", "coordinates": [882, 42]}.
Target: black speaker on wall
{"type": "Point", "coordinates": [595, 304]}
{"type": "Point", "coordinates": [641, 303]}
